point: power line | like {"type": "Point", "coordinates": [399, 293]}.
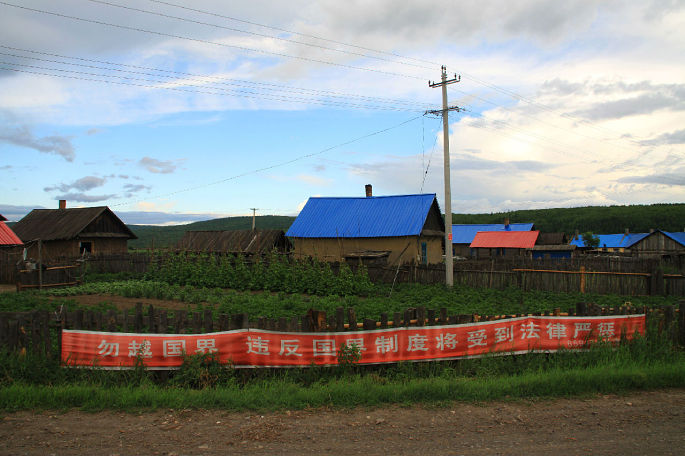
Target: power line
{"type": "Point", "coordinates": [277, 165]}
{"type": "Point", "coordinates": [304, 35]}
{"type": "Point", "coordinates": [471, 77]}
{"type": "Point", "coordinates": [573, 132]}
{"type": "Point", "coordinates": [233, 29]}
{"type": "Point", "coordinates": [225, 92]}
{"type": "Point", "coordinates": [199, 40]}
{"type": "Point", "coordinates": [427, 168]}
{"type": "Point", "coordinates": [211, 79]}
{"type": "Point", "coordinates": [541, 106]}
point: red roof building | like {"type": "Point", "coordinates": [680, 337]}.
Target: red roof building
{"type": "Point", "coordinates": [7, 236]}
{"type": "Point", "coordinates": [503, 243]}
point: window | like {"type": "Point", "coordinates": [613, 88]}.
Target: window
{"type": "Point", "coordinates": [424, 253]}
{"type": "Point", "coordinates": [85, 247]}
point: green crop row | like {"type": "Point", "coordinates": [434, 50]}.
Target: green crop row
{"type": "Point", "coordinates": [459, 300]}
{"type": "Point", "coordinates": [273, 273]}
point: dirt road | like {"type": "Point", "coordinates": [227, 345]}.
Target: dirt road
{"type": "Point", "coordinates": [637, 424]}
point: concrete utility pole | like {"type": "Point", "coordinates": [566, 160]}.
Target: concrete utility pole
{"type": "Point", "coordinates": [449, 261]}
{"type": "Point", "coordinates": [254, 213]}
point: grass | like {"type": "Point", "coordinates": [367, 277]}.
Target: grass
{"type": "Point", "coordinates": [281, 394]}
{"type": "Point", "coordinates": [651, 362]}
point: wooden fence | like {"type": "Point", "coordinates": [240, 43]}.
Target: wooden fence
{"type": "Point", "coordinates": [629, 278]}
{"type": "Point", "coordinates": [40, 331]}
{"type": "Point", "coordinates": [626, 276]}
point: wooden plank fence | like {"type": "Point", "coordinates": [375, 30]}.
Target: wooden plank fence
{"type": "Point", "coordinates": [626, 276]}
{"type": "Point", "coordinates": [39, 332]}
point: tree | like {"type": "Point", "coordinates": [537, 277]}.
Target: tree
{"type": "Point", "coordinates": [590, 240]}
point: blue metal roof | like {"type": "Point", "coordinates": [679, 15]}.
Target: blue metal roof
{"type": "Point", "coordinates": [679, 237]}
{"type": "Point", "coordinates": [464, 234]}
{"type": "Point", "coordinates": [613, 240]}
{"type": "Point", "coordinates": [374, 216]}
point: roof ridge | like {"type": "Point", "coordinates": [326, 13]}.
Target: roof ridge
{"type": "Point", "coordinates": [372, 197]}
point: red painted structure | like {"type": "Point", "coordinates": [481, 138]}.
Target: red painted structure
{"type": "Point", "coordinates": [505, 239]}
{"type": "Point", "coordinates": [7, 236]}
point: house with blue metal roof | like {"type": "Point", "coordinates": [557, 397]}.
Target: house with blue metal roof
{"type": "Point", "coordinates": [654, 244]}
{"type": "Point", "coordinates": [659, 244]}
{"type": "Point", "coordinates": [372, 229]}
{"type": "Point", "coordinates": [612, 242]}
{"type": "Point", "coordinates": [463, 235]}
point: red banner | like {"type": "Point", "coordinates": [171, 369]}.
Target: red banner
{"type": "Point", "coordinates": [261, 348]}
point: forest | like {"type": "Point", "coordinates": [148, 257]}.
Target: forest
{"type": "Point", "coordinates": [596, 219]}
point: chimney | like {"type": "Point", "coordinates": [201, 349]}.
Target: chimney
{"type": "Point", "coordinates": [369, 193]}
{"type": "Point", "coordinates": [627, 232]}
{"type": "Point", "coordinates": [62, 204]}
{"type": "Point", "coordinates": [651, 230]}
{"type": "Point", "coordinates": [506, 223]}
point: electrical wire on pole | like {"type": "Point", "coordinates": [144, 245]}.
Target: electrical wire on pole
{"type": "Point", "coordinates": [449, 262]}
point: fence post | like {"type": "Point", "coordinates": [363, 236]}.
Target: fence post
{"type": "Point", "coordinates": [421, 316]}
{"type": "Point", "coordinates": [163, 327]}
{"type": "Point", "coordinates": [35, 332]}
{"type": "Point", "coordinates": [443, 315]}
{"type": "Point", "coordinates": [681, 322]}
{"type": "Point", "coordinates": [151, 319]}
{"type": "Point", "coordinates": [340, 319]}
{"type": "Point", "coordinates": [384, 320]}
{"type": "Point", "coordinates": [582, 279]}
{"type": "Point", "coordinates": [396, 319]}
{"type": "Point", "coordinates": [669, 316]}
{"type": "Point", "coordinates": [138, 320]}
{"type": "Point", "coordinates": [352, 319]}
{"type": "Point", "coordinates": [180, 321]}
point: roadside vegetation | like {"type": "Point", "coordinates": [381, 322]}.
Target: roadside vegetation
{"type": "Point", "coordinates": [29, 382]}
{"type": "Point", "coordinates": [275, 289]}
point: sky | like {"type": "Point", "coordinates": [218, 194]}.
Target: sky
{"type": "Point", "coordinates": [170, 112]}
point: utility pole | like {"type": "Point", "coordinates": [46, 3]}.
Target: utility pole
{"type": "Point", "coordinates": [449, 262]}
{"type": "Point", "coordinates": [254, 212]}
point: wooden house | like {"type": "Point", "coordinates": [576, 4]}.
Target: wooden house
{"type": "Point", "coordinates": [660, 243]}
{"type": "Point", "coordinates": [463, 235]}
{"type": "Point", "coordinates": [70, 233]}
{"type": "Point", "coordinates": [373, 229]}
{"type": "Point", "coordinates": [611, 243]}
{"type": "Point", "coordinates": [489, 244]}
{"type": "Point", "coordinates": [7, 236]}
{"type": "Point", "coordinates": [243, 242]}
{"type": "Point", "coordinates": [10, 252]}
{"type": "Point", "coordinates": [552, 245]}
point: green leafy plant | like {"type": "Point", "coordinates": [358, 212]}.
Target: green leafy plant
{"type": "Point", "coordinates": [348, 355]}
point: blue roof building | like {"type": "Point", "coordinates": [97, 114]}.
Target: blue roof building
{"type": "Point", "coordinates": [389, 229]}
{"type": "Point", "coordinates": [613, 241]}
{"type": "Point", "coordinates": [656, 244]}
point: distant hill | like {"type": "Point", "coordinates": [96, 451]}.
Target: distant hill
{"type": "Point", "coordinates": [166, 236]}
{"type": "Point", "coordinates": [598, 219]}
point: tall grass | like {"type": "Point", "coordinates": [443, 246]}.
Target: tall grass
{"type": "Point", "coordinates": [28, 382]}
{"type": "Point", "coordinates": [352, 391]}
